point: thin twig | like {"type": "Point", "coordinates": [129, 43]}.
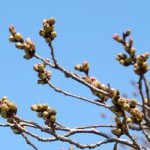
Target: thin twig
{"type": "Point", "coordinates": [147, 89]}
{"type": "Point", "coordinates": [76, 96]}
{"type": "Point", "coordinates": [147, 119]}
{"type": "Point", "coordinates": [115, 146]}
{"type": "Point", "coordinates": [29, 142]}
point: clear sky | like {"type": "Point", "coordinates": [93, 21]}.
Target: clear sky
{"type": "Point", "coordinates": [85, 29]}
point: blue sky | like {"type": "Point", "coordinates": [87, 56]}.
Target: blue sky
{"type": "Point", "coordinates": [85, 30]}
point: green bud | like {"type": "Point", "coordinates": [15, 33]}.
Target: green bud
{"type": "Point", "coordinates": [41, 76]}
{"type": "Point", "coordinates": [5, 107]}
{"type": "Point", "coordinates": [39, 114]}
{"type": "Point", "coordinates": [127, 32]}
{"type": "Point", "coordinates": [12, 106]}
{"type": "Point", "coordinates": [42, 33]}
{"type": "Point", "coordinates": [132, 51]}
{"type": "Point", "coordinates": [41, 82]}
{"type": "Point", "coordinates": [45, 114]}
{"type": "Point", "coordinates": [41, 67]}
{"type": "Point", "coordinates": [39, 107]}
{"type": "Point", "coordinates": [48, 40]}
{"type": "Point", "coordinates": [52, 119]}
{"type": "Point", "coordinates": [4, 98]}
{"type": "Point", "coordinates": [53, 35]}
{"type": "Point", "coordinates": [133, 103]}
{"type": "Point", "coordinates": [27, 56]}
{"type": "Point", "coordinates": [117, 120]}
{"type": "Point", "coordinates": [19, 46]}
{"type": "Point", "coordinates": [116, 131]}
{"type": "Point", "coordinates": [54, 112]}
{"type": "Point", "coordinates": [18, 37]}
{"type": "Point", "coordinates": [4, 115]}
{"type": "Point", "coordinates": [45, 106]}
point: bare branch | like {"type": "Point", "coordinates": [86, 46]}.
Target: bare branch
{"type": "Point", "coordinates": [29, 142]}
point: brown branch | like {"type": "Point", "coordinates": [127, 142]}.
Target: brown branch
{"type": "Point", "coordinates": [72, 75]}
{"type": "Point", "coordinates": [115, 146]}
{"type": "Point", "coordinates": [76, 96]}
{"type": "Point", "coordinates": [28, 141]}
{"type": "Point", "coordinates": [147, 119]}
{"type": "Point", "coordinates": [147, 89]}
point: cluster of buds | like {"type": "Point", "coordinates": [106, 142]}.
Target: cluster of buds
{"type": "Point", "coordinates": [93, 81]}
{"type": "Point", "coordinates": [84, 67]}
{"type": "Point", "coordinates": [124, 60]}
{"type": "Point", "coordinates": [120, 106]}
{"type": "Point", "coordinates": [48, 30]}
{"type": "Point", "coordinates": [7, 109]}
{"type": "Point", "coordinates": [45, 112]}
{"type": "Point", "coordinates": [141, 66]}
{"type": "Point", "coordinates": [28, 46]}
{"type": "Point", "coordinates": [128, 46]}
{"type": "Point", "coordinates": [43, 74]}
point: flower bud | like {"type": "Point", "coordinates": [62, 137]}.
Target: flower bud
{"type": "Point", "coordinates": [117, 38]}
{"type": "Point", "coordinates": [4, 107]}
{"type": "Point", "coordinates": [116, 131]}
{"type": "Point", "coordinates": [77, 67]}
{"type": "Point", "coordinates": [41, 67]}
{"type": "Point", "coordinates": [12, 38]}
{"type": "Point", "coordinates": [45, 114]}
{"type": "Point", "coordinates": [48, 74]}
{"type": "Point", "coordinates": [85, 66]}
{"type": "Point", "coordinates": [114, 93]}
{"type": "Point", "coordinates": [19, 45]}
{"type": "Point", "coordinates": [40, 82]}
{"type": "Point", "coordinates": [53, 35]}
{"type": "Point", "coordinates": [45, 106]}
{"type": "Point", "coordinates": [144, 65]}
{"type": "Point", "coordinates": [117, 120]}
{"type": "Point", "coordinates": [41, 76]}
{"type": "Point", "coordinates": [27, 56]}
{"type": "Point", "coordinates": [133, 103]}
{"type": "Point", "coordinates": [3, 115]}
{"type": "Point", "coordinates": [140, 116]}
{"type": "Point", "coordinates": [51, 21]}
{"type": "Point", "coordinates": [48, 40]}
{"type": "Point", "coordinates": [45, 21]}
{"type": "Point", "coordinates": [39, 107]}
{"type": "Point", "coordinates": [18, 37]}
{"type": "Point", "coordinates": [34, 107]}
{"type": "Point", "coordinates": [36, 68]}
{"type": "Point", "coordinates": [39, 114]}
{"type": "Point", "coordinates": [113, 109]}
{"type": "Point", "coordinates": [12, 30]}
{"type": "Point", "coordinates": [4, 98]}
{"type": "Point", "coordinates": [129, 120]}
{"type": "Point", "coordinates": [13, 106]}
{"type": "Point", "coordinates": [127, 32]}
{"type": "Point", "coordinates": [130, 42]}
{"type": "Point", "coordinates": [42, 33]}
{"type": "Point", "coordinates": [119, 114]}
{"type": "Point", "coordinates": [52, 118]}
{"type": "Point", "coordinates": [132, 51]}
{"type": "Point", "coordinates": [54, 112]}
